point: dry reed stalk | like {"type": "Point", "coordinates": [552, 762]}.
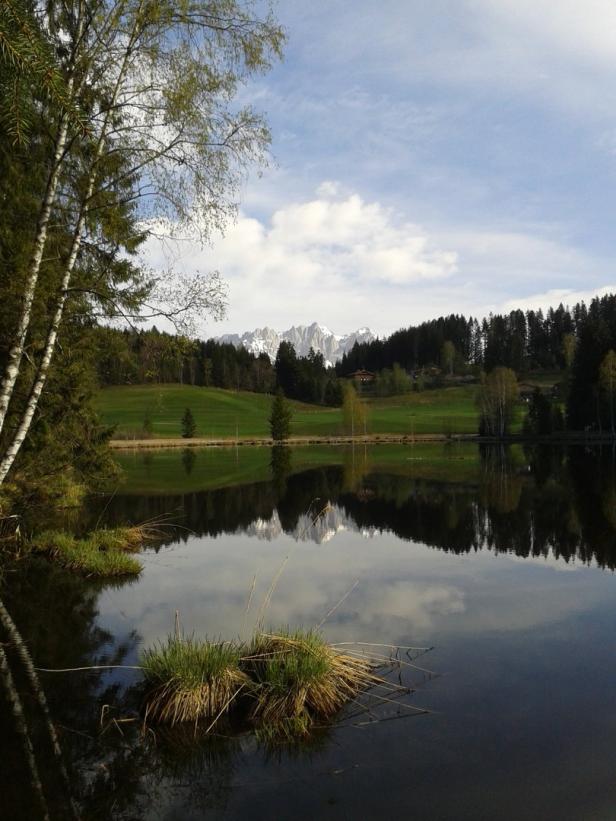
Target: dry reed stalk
{"type": "Point", "coordinates": [173, 703]}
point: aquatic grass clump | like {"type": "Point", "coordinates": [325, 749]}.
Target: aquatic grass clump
{"type": "Point", "coordinates": [302, 679]}
{"type": "Point", "coordinates": [129, 539]}
{"type": "Point", "coordinates": [188, 679]}
{"type": "Point", "coordinates": [283, 684]}
{"type": "Point", "coordinates": [86, 556]}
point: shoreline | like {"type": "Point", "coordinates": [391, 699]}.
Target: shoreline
{"type": "Point", "coordinates": [267, 441]}
{"type": "Point", "coordinates": [369, 439]}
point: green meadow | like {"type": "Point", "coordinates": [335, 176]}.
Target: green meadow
{"type": "Point", "coordinates": [229, 414]}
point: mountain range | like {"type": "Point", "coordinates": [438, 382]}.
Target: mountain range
{"type": "Point", "coordinates": [302, 337]}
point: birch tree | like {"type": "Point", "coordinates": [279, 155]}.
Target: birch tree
{"type": "Point", "coordinates": [354, 411]}
{"type": "Point", "coordinates": [496, 401]}
{"type": "Point", "coordinates": [607, 380]}
{"type": "Point", "coordinates": [159, 143]}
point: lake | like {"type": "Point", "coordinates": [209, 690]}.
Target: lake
{"type": "Point", "coordinates": [499, 560]}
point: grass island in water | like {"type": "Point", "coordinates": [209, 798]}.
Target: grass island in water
{"type": "Point", "coordinates": [283, 684]}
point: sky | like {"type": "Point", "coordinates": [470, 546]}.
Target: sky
{"type": "Point", "coordinates": [428, 157]}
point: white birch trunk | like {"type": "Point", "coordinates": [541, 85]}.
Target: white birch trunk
{"type": "Point", "coordinates": [13, 449]}
{"type": "Point", "coordinates": [24, 654]}
{"type": "Point", "coordinates": [9, 455]}
{"type": "Point", "coordinates": [11, 370]}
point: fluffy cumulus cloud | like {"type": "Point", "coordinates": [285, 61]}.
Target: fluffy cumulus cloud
{"type": "Point", "coordinates": [346, 262]}
{"type": "Point", "coordinates": [313, 258]}
{"type": "Point", "coordinates": [465, 153]}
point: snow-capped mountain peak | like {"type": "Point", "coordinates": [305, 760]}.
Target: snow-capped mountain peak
{"type": "Point", "coordinates": [302, 337]}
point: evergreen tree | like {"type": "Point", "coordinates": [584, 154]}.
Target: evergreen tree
{"type": "Point", "coordinates": [607, 380]}
{"type": "Point", "coordinates": [141, 128]}
{"type": "Point", "coordinates": [543, 417]}
{"type": "Point", "coordinates": [280, 418]}
{"type": "Point", "coordinates": [189, 426]}
{"type": "Point", "coordinates": [286, 369]}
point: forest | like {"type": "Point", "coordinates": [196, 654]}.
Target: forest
{"type": "Point", "coordinates": [571, 342]}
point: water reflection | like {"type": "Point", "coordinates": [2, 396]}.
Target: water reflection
{"type": "Point", "coordinates": [554, 503]}
{"type": "Point", "coordinates": [465, 554]}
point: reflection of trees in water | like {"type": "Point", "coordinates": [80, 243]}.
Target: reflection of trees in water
{"type": "Point", "coordinates": [559, 501]}
{"type": "Point", "coordinates": [356, 466]}
{"type": "Point", "coordinates": [500, 486]}
{"type": "Point", "coordinates": [114, 770]}
{"type": "Point", "coordinates": [565, 505]}
{"type": "Point", "coordinates": [280, 465]}
{"type": "Point", "coordinates": [189, 457]}
{"type": "Point", "coordinates": [54, 613]}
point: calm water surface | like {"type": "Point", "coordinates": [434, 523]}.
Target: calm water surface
{"type": "Point", "coordinates": [502, 561]}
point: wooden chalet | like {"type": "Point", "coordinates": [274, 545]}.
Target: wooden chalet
{"type": "Point", "coordinates": [362, 377]}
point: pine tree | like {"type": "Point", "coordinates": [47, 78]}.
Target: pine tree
{"type": "Point", "coordinates": [280, 418]}
{"type": "Point", "coordinates": [146, 124]}
{"type": "Point", "coordinates": [189, 427]}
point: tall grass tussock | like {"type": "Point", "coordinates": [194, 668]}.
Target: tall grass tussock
{"type": "Point", "coordinates": [282, 683]}
{"type": "Point", "coordinates": [189, 679]}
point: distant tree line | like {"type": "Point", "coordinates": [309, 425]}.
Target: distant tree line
{"type": "Point", "coordinates": [133, 357]}
{"type": "Point", "coordinates": [579, 342]}
{"type": "Point", "coordinates": [518, 340]}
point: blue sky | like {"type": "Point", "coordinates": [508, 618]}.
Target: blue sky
{"type": "Point", "coordinates": [430, 156]}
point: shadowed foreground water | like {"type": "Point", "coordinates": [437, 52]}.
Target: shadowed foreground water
{"type": "Point", "coordinates": [503, 562]}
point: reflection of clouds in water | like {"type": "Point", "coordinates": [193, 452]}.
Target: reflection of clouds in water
{"type": "Point", "coordinates": [406, 592]}
{"type": "Point", "coordinates": [416, 603]}
{"type": "Point", "coordinates": [209, 582]}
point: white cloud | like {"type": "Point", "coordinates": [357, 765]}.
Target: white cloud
{"type": "Point", "coordinates": [314, 259]}
{"type": "Point", "coordinates": [566, 296]}
{"type": "Point", "coordinates": [345, 262]}
{"type": "Point", "coordinates": [582, 31]}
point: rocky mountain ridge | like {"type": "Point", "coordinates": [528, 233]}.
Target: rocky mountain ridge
{"type": "Point", "coordinates": [302, 337]}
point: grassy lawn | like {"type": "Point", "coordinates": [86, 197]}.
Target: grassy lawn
{"type": "Point", "coordinates": [218, 413]}
{"type": "Point", "coordinates": [225, 414]}
{"type": "Point", "coordinates": [446, 410]}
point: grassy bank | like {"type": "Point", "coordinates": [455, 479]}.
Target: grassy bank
{"type": "Point", "coordinates": [221, 414]}
{"type": "Point", "coordinates": [104, 553]}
